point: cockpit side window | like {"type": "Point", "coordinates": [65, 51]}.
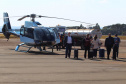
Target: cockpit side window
{"type": "Point", "coordinates": [28, 32]}
{"type": "Point", "coordinates": [56, 32]}
{"type": "Point", "coordinates": [22, 31]}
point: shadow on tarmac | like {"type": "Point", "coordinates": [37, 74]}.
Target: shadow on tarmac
{"type": "Point", "coordinates": [39, 53]}
{"type": "Point", "coordinates": [101, 59]}
{"type": "Point", "coordinates": [44, 53]}
{"type": "Point", "coordinates": [77, 59]}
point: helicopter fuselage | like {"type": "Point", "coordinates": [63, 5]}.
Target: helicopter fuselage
{"type": "Point", "coordinates": [34, 35]}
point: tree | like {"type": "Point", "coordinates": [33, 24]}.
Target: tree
{"type": "Point", "coordinates": [82, 27]}
{"type": "Point", "coordinates": [97, 26]}
{"type": "Point", "coordinates": [119, 29]}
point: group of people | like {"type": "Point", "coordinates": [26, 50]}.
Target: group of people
{"type": "Point", "coordinates": [94, 44]}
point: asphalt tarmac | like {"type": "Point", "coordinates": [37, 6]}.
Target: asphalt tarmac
{"type": "Point", "coordinates": [53, 68]}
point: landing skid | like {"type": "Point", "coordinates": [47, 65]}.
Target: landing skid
{"type": "Point", "coordinates": [29, 47]}
{"type": "Point", "coordinates": [23, 45]}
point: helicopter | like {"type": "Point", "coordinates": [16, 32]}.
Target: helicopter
{"type": "Point", "coordinates": [32, 33]}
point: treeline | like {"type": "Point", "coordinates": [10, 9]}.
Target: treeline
{"type": "Point", "coordinates": [119, 29]}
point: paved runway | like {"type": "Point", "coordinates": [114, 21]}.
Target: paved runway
{"type": "Point", "coordinates": [52, 68]}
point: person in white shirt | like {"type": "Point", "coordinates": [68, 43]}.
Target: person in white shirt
{"type": "Point", "coordinates": [68, 42]}
{"type": "Point", "coordinates": [96, 44]}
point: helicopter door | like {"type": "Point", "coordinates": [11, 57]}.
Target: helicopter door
{"type": "Point", "coordinates": [29, 33]}
{"type": "Point", "coordinates": [47, 34]}
{"type": "Point", "coordinates": [42, 34]}
{"type": "Point", "coordinates": [52, 34]}
{"type": "Point", "coordinates": [57, 39]}
{"type": "Point", "coordinates": [26, 35]}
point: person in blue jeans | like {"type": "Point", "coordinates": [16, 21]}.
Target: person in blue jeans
{"type": "Point", "coordinates": [68, 42]}
{"type": "Point", "coordinates": [116, 46]}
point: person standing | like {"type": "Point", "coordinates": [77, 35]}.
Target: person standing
{"type": "Point", "coordinates": [58, 46]}
{"type": "Point", "coordinates": [95, 42]}
{"type": "Point", "coordinates": [116, 46]}
{"type": "Point", "coordinates": [109, 42]}
{"type": "Point", "coordinates": [87, 44]}
{"type": "Point", "coordinates": [68, 42]}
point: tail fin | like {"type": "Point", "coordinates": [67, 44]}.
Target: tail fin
{"type": "Point", "coordinates": [6, 26]}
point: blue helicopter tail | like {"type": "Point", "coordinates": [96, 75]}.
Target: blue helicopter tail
{"type": "Point", "coordinates": [6, 26]}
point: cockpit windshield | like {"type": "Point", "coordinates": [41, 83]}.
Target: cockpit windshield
{"type": "Point", "coordinates": [43, 34]}
{"type": "Point", "coordinates": [28, 32]}
{"type": "Point", "coordinates": [56, 32]}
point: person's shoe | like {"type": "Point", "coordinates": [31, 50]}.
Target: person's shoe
{"type": "Point", "coordinates": [85, 57]}
{"type": "Point", "coordinates": [114, 58]}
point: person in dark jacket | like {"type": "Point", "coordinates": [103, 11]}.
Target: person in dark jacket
{"type": "Point", "coordinates": [109, 42]}
{"type": "Point", "coordinates": [87, 44]}
{"type": "Point", "coordinates": [68, 42]}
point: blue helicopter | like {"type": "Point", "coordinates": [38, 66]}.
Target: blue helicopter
{"type": "Point", "coordinates": [32, 34]}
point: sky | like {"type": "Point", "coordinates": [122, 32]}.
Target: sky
{"type": "Point", "coordinates": [103, 12]}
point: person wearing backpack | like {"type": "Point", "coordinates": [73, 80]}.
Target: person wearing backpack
{"type": "Point", "coordinates": [116, 46]}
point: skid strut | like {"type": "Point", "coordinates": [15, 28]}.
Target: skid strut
{"type": "Point", "coordinates": [23, 45]}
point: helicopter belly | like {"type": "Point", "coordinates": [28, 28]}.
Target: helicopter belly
{"type": "Point", "coordinates": [26, 40]}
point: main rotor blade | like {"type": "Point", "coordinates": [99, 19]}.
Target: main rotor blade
{"type": "Point", "coordinates": [11, 17]}
{"type": "Point", "coordinates": [23, 17]}
{"type": "Point", "coordinates": [67, 19]}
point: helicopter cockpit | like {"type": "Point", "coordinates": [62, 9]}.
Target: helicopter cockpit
{"type": "Point", "coordinates": [27, 32]}
{"type": "Point", "coordinates": [39, 34]}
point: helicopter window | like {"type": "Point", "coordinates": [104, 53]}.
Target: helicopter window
{"type": "Point", "coordinates": [52, 34]}
{"type": "Point", "coordinates": [46, 32]}
{"type": "Point", "coordinates": [51, 31]}
{"type": "Point", "coordinates": [29, 32]}
{"type": "Point", "coordinates": [22, 31]}
{"type": "Point", "coordinates": [56, 32]}
{"type": "Point", "coordinates": [38, 34]}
